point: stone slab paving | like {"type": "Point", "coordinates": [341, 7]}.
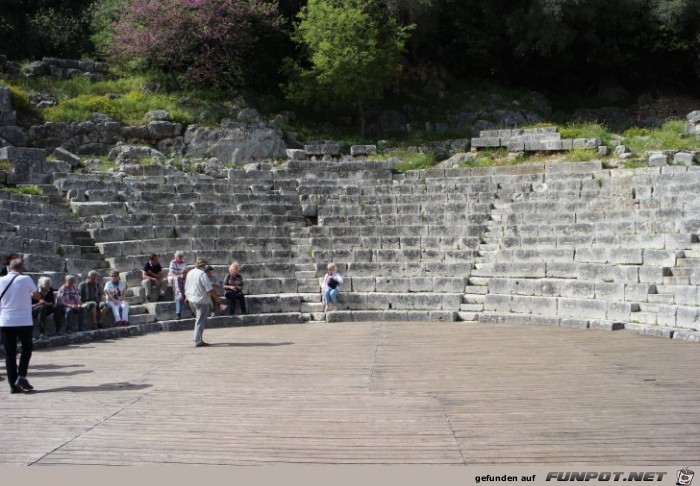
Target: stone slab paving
{"type": "Point", "coordinates": [365, 393]}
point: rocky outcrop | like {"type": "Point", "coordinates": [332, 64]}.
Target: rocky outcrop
{"type": "Point", "coordinates": [235, 143]}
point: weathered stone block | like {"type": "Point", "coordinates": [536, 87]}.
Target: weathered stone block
{"type": "Point", "coordinates": [296, 154]}
{"type": "Point", "coordinates": [363, 150]}
{"type": "Point", "coordinates": [582, 308]}
{"type": "Point", "coordinates": [688, 317]}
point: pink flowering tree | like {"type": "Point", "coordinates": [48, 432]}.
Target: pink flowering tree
{"type": "Point", "coordinates": [207, 41]}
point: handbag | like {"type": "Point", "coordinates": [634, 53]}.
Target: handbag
{"type": "Point", "coordinates": [332, 283]}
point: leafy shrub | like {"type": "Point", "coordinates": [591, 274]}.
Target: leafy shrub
{"type": "Point", "coordinates": [206, 41]}
{"type": "Point", "coordinates": [32, 190]}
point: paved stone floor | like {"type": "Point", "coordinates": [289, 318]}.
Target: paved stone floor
{"type": "Point", "coordinates": [369, 393]}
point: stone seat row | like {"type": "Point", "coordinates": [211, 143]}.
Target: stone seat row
{"type": "Point", "coordinates": [427, 207]}
{"type": "Point", "coordinates": [574, 307]}
{"type": "Point", "coordinates": [214, 257]}
{"type": "Point", "coordinates": [626, 228]}
{"type": "Point", "coordinates": [101, 208]}
{"type": "Point", "coordinates": [597, 272]}
{"type": "Point", "coordinates": [177, 231]}
{"type": "Point", "coordinates": [471, 199]}
{"type": "Point", "coordinates": [625, 255]}
{"type": "Point", "coordinates": [111, 221]}
{"type": "Point", "coordinates": [415, 230]}
{"type": "Point", "coordinates": [395, 242]}
{"type": "Point", "coordinates": [614, 216]}
{"type": "Point", "coordinates": [206, 242]}
{"type": "Point", "coordinates": [41, 262]}
{"type": "Point", "coordinates": [651, 241]}
{"type": "Point", "coordinates": [430, 218]}
{"type": "Point", "coordinates": [584, 289]}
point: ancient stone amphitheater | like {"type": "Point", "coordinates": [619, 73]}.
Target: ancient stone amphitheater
{"type": "Point", "coordinates": [557, 244]}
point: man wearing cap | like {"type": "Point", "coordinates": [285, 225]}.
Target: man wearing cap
{"type": "Point", "coordinates": [16, 293]}
{"type": "Point", "coordinates": [199, 290]}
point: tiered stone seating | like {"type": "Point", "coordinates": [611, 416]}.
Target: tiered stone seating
{"type": "Point", "coordinates": [560, 244]}
{"type": "Point", "coordinates": [586, 250]}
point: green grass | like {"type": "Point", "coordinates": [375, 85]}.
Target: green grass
{"type": "Point", "coordinates": [581, 155]}
{"type": "Point", "coordinates": [408, 160]}
{"type": "Point", "coordinates": [78, 98]}
{"type": "Point", "coordinates": [584, 130]}
{"type": "Point", "coordinates": [5, 165]}
{"type": "Point", "coordinates": [31, 190]}
{"type": "Point", "coordinates": [671, 136]}
{"type": "Point", "coordinates": [635, 164]}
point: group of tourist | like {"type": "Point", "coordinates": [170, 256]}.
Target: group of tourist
{"type": "Point", "coordinates": [22, 301]}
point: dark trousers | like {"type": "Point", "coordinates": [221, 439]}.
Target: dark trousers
{"type": "Point", "coordinates": [9, 340]}
{"type": "Point", "coordinates": [42, 312]}
{"type": "Point", "coordinates": [234, 297]}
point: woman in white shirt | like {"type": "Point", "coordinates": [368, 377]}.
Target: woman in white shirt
{"type": "Point", "coordinates": [115, 293]}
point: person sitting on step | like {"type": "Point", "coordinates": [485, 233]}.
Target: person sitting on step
{"type": "Point", "coordinates": [152, 279]}
{"type": "Point", "coordinates": [115, 291]}
{"type": "Point", "coordinates": [233, 287]}
{"type": "Point", "coordinates": [177, 266]}
{"type": "Point", "coordinates": [44, 307]}
{"type": "Point", "coordinates": [69, 303]}
{"type": "Point", "coordinates": [91, 297]}
{"type": "Point", "coordinates": [331, 286]}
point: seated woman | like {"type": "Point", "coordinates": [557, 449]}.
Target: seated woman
{"type": "Point", "coordinates": [69, 304]}
{"type": "Point", "coordinates": [233, 287]}
{"type": "Point", "coordinates": [115, 293]}
{"type": "Point", "coordinates": [331, 286]}
{"type": "Point", "coordinates": [176, 268]}
{"type": "Point", "coordinates": [44, 307]}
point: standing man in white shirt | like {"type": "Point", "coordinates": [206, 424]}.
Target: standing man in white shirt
{"type": "Point", "coordinates": [199, 291]}
{"type": "Point", "coordinates": [16, 293]}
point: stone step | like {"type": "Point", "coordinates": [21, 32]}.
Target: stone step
{"type": "Point", "coordinates": [547, 320]}
{"type": "Point", "coordinates": [683, 271]}
{"type": "Point", "coordinates": [693, 262]}
{"type": "Point", "coordinates": [473, 288]}
{"type": "Point", "coordinates": [471, 307]}
{"type": "Point", "coordinates": [648, 307]}
{"type": "Point", "coordinates": [467, 316]}
{"type": "Point", "coordinates": [659, 298]}
{"type": "Point", "coordinates": [676, 280]}
{"type": "Point", "coordinates": [473, 298]}
{"type": "Point", "coordinates": [390, 315]}
{"type": "Point", "coordinates": [645, 317]}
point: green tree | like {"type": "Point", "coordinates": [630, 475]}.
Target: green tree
{"type": "Point", "coordinates": [352, 57]}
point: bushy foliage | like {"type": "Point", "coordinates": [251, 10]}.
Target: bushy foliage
{"type": "Point", "coordinates": [351, 57]}
{"type": "Point", "coordinates": [206, 41]}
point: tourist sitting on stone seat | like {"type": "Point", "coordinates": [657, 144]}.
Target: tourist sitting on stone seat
{"type": "Point", "coordinates": [153, 281]}
{"type": "Point", "coordinates": [215, 284]}
{"type": "Point", "coordinates": [45, 306]}
{"type": "Point", "coordinates": [91, 297]}
{"type": "Point", "coordinates": [179, 291]}
{"type": "Point", "coordinates": [177, 266]}
{"type": "Point", "coordinates": [233, 287]}
{"type": "Point", "coordinates": [115, 291]}
{"type": "Point", "coordinates": [331, 286]}
{"type": "Point", "coordinates": [70, 304]}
